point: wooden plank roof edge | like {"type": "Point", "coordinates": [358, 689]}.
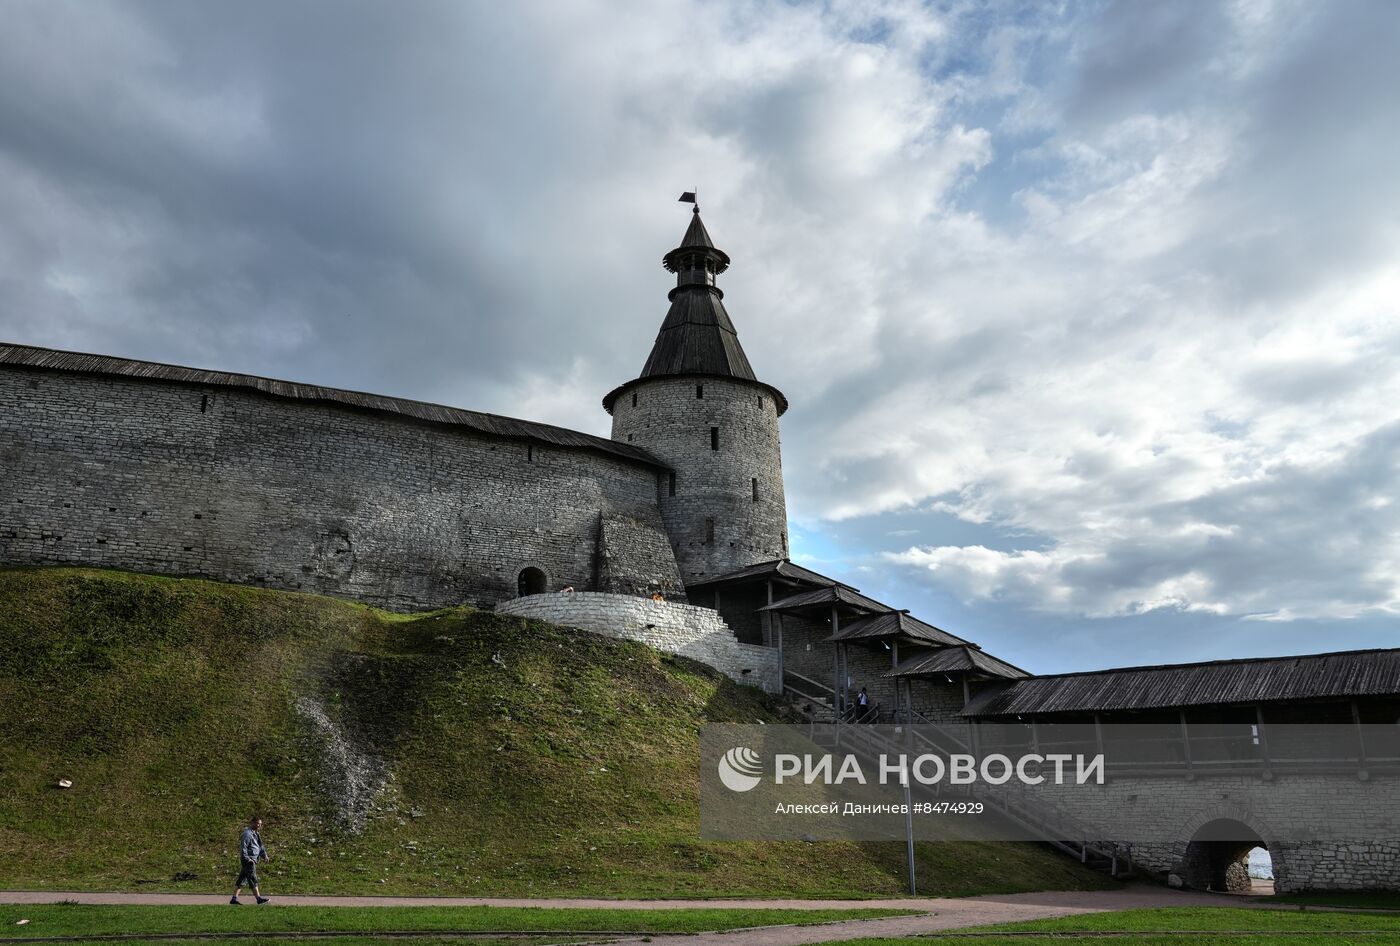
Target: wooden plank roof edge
{"type": "Point", "coordinates": [1214, 663]}
{"type": "Point", "coordinates": [852, 628]}
{"type": "Point", "coordinates": [754, 572]}
{"type": "Point", "coordinates": [836, 590]}
{"type": "Point", "coordinates": [903, 668]}
{"type": "Point", "coordinates": [364, 400]}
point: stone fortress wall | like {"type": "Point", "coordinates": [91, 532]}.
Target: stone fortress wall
{"type": "Point", "coordinates": [242, 486]}
{"type": "Point", "coordinates": [698, 633]}
{"type": "Point", "coordinates": [721, 436]}
{"type": "Point", "coordinates": [1325, 831]}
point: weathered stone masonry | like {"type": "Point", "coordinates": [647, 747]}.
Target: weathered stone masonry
{"type": "Point", "coordinates": [721, 439]}
{"type": "Point", "coordinates": [1325, 831]}
{"type": "Point", "coordinates": [246, 487]}
{"type": "Point", "coordinates": [698, 633]}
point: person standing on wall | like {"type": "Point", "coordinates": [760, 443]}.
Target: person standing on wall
{"type": "Point", "coordinates": [250, 851]}
{"type": "Point", "coordinates": [862, 705]}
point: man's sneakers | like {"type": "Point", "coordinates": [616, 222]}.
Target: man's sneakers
{"type": "Point", "coordinates": [234, 901]}
{"type": "Point", "coordinates": [262, 900]}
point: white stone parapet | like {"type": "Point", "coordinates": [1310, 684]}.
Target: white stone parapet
{"type": "Point", "coordinates": [685, 629]}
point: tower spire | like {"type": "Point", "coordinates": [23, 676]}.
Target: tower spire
{"type": "Point", "coordinates": [697, 337]}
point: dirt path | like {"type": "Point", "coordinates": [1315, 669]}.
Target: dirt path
{"type": "Point", "coordinates": [1070, 901]}
{"type": "Point", "coordinates": [952, 914]}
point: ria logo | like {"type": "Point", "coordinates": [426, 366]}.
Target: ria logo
{"type": "Point", "coordinates": [740, 768]}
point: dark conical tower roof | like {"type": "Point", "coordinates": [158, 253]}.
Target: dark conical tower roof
{"type": "Point", "coordinates": [696, 234]}
{"type": "Point", "coordinates": [697, 336]}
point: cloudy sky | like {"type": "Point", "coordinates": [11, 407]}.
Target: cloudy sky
{"type": "Point", "coordinates": [1087, 312]}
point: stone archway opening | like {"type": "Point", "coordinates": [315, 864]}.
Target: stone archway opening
{"type": "Point", "coordinates": [531, 581]}
{"type": "Point", "coordinates": [1218, 857]}
{"type": "Point", "coordinates": [1261, 870]}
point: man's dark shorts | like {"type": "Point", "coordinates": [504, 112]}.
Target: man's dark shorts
{"type": "Point", "coordinates": [247, 875]}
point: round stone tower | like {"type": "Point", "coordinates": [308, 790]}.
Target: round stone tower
{"type": "Point", "coordinates": [698, 407]}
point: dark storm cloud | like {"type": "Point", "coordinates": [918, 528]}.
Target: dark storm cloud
{"type": "Point", "coordinates": [315, 189]}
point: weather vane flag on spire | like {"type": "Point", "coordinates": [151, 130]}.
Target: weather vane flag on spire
{"type": "Point", "coordinates": [689, 197]}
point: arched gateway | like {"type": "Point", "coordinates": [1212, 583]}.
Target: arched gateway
{"type": "Point", "coordinates": [1216, 853]}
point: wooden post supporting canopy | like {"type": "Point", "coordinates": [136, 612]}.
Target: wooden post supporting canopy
{"type": "Point", "coordinates": [1360, 737]}
{"type": "Point", "coordinates": [779, 626]}
{"type": "Point", "coordinates": [1263, 737]}
{"type": "Point", "coordinates": [768, 615]}
{"type": "Point", "coordinates": [836, 665]}
{"type": "Point", "coordinates": [1186, 742]}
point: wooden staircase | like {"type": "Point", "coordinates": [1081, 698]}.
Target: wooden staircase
{"type": "Point", "coordinates": [814, 700]}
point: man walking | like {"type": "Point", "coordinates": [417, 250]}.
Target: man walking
{"type": "Point", "coordinates": [250, 851]}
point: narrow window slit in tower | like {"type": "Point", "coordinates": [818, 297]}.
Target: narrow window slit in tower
{"type": "Point", "coordinates": [755, 488]}
{"type": "Point", "coordinates": [204, 404]}
{"type": "Point", "coordinates": [671, 484]}
{"type": "Point", "coordinates": [714, 438]}
{"type": "Point", "coordinates": [634, 398]}
{"type": "Point", "coordinates": [709, 530]}
{"type": "Point", "coordinates": [700, 391]}
{"type": "Point", "coordinates": [529, 454]}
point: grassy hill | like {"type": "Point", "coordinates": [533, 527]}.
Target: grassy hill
{"type": "Point", "coordinates": [456, 751]}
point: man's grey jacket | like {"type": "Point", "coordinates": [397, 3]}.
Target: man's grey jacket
{"type": "Point", "coordinates": [250, 847]}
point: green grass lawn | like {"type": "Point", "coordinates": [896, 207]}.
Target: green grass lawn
{"type": "Point", "coordinates": [383, 941]}
{"type": "Point", "coordinates": [1173, 926]}
{"type": "Point", "coordinates": [514, 758]}
{"type": "Point", "coordinates": [282, 939]}
{"type": "Point", "coordinates": [86, 920]}
{"type": "Point", "coordinates": [1358, 899]}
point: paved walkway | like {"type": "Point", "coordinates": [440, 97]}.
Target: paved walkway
{"type": "Point", "coordinates": [937, 913]}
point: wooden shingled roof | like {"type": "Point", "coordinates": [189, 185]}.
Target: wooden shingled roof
{"type": "Point", "coordinates": [894, 624]}
{"type": "Point", "coordinates": [492, 424]}
{"type": "Point", "coordinates": [1341, 675]}
{"type": "Point", "coordinates": [696, 236]}
{"type": "Point", "coordinates": [777, 568]}
{"type": "Point", "coordinates": [697, 337]}
{"type": "Point", "coordinates": [964, 659]}
{"type": "Point", "coordinates": [833, 594]}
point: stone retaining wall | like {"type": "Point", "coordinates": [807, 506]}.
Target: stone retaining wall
{"type": "Point", "coordinates": [697, 633]}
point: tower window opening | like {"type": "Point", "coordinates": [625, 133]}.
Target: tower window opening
{"type": "Point", "coordinates": [709, 531]}
{"type": "Point", "coordinates": [529, 454]}
{"type": "Point", "coordinates": [760, 402]}
{"type": "Point", "coordinates": [755, 488]}
{"type": "Point", "coordinates": [634, 398]}
{"type": "Point", "coordinates": [671, 484]}
{"type": "Point", "coordinates": [204, 404]}
{"type": "Point", "coordinates": [714, 438]}
{"type": "Point", "coordinates": [700, 392]}
{"type": "Point", "coordinates": [629, 438]}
